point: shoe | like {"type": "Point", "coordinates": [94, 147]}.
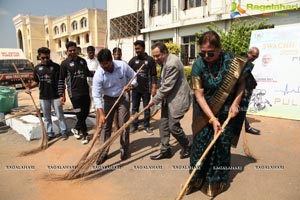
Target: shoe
{"type": "Point", "coordinates": [50, 137]}
{"type": "Point", "coordinates": [133, 129]}
{"type": "Point", "coordinates": [85, 139]}
{"type": "Point", "coordinates": [75, 133]}
{"type": "Point", "coordinates": [148, 131]}
{"type": "Point", "coordinates": [185, 153]}
{"type": "Point", "coordinates": [162, 155]}
{"type": "Point", "coordinates": [124, 154]}
{"type": "Point", "coordinates": [64, 136]}
{"type": "Point", "coordinates": [101, 159]}
{"type": "Point", "coordinates": [253, 131]}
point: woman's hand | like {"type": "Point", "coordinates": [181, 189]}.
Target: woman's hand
{"type": "Point", "coordinates": [234, 109]}
{"type": "Point", "coordinates": [217, 126]}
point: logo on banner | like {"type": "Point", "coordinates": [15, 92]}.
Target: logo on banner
{"type": "Point", "coordinates": [236, 10]}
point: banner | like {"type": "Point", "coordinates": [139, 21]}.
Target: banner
{"type": "Point", "coordinates": [277, 72]}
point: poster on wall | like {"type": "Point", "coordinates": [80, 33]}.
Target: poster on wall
{"type": "Point", "coordinates": [277, 72]}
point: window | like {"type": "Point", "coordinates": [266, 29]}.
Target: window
{"type": "Point", "coordinates": [63, 28]}
{"type": "Point", "coordinates": [192, 3]}
{"type": "Point", "coordinates": [59, 43]}
{"type": "Point", "coordinates": [48, 43]}
{"type": "Point", "coordinates": [56, 30]}
{"type": "Point", "coordinates": [126, 25]}
{"type": "Point", "coordinates": [83, 23]}
{"type": "Point", "coordinates": [74, 25]}
{"type": "Point", "coordinates": [188, 49]}
{"type": "Point", "coordinates": [47, 31]}
{"type": "Point", "coordinates": [20, 40]}
{"type": "Point", "coordinates": [163, 40]}
{"type": "Point", "coordinates": [87, 38]}
{"type": "Point", "coordinates": [78, 40]}
{"type": "Point", "coordinates": [159, 7]}
{"type": "Point", "coordinates": [67, 40]}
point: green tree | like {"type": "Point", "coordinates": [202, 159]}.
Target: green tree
{"type": "Point", "coordinates": [237, 38]}
{"type": "Point", "coordinates": [173, 48]}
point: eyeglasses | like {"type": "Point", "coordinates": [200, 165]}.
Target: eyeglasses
{"type": "Point", "coordinates": [209, 53]}
{"type": "Point", "coordinates": [43, 58]}
{"type": "Point", "coordinates": [254, 56]}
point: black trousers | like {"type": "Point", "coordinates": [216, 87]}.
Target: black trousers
{"type": "Point", "coordinates": [136, 100]}
{"type": "Point", "coordinates": [81, 105]}
{"type": "Point", "coordinates": [247, 125]}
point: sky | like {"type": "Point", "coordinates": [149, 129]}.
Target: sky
{"type": "Point", "coordinates": [11, 8]}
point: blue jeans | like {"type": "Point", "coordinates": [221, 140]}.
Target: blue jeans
{"type": "Point", "coordinates": [46, 109]}
{"type": "Point", "coordinates": [136, 99]}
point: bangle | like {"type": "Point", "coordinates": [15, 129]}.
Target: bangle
{"type": "Point", "coordinates": [212, 119]}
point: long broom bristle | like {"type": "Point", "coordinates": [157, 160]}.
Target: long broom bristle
{"type": "Point", "coordinates": [42, 147]}
{"type": "Point", "coordinates": [83, 166]}
{"type": "Point", "coordinates": [33, 151]}
{"type": "Point", "coordinates": [246, 148]}
{"type": "Point", "coordinates": [44, 144]}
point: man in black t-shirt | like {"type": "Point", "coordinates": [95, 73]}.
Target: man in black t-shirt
{"type": "Point", "coordinates": [74, 71]}
{"type": "Point", "coordinates": [46, 77]}
{"type": "Point", "coordinates": [146, 79]}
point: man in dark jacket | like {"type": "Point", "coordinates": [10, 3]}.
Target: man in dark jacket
{"type": "Point", "coordinates": [46, 76]}
{"type": "Point", "coordinates": [146, 79]}
{"type": "Point", "coordinates": [74, 71]}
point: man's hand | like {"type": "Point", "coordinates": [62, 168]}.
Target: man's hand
{"type": "Point", "coordinates": [151, 103]}
{"type": "Point", "coordinates": [62, 100]}
{"type": "Point", "coordinates": [101, 115]}
{"type": "Point", "coordinates": [153, 91]}
{"type": "Point", "coordinates": [128, 88]}
{"type": "Point", "coordinates": [27, 91]}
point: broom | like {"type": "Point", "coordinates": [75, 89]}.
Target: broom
{"type": "Point", "coordinates": [16, 115]}
{"type": "Point", "coordinates": [183, 190]}
{"type": "Point", "coordinates": [82, 167]}
{"type": "Point", "coordinates": [44, 144]}
{"type": "Point", "coordinates": [99, 128]}
{"type": "Point", "coordinates": [245, 144]}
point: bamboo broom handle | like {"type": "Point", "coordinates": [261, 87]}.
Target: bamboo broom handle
{"type": "Point", "coordinates": [36, 108]}
{"type": "Point", "coordinates": [183, 190]}
{"type": "Point", "coordinates": [124, 90]}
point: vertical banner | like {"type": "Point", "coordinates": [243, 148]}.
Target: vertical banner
{"type": "Point", "coordinates": [277, 72]}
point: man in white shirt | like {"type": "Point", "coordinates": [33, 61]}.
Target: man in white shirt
{"type": "Point", "coordinates": [93, 64]}
{"type": "Point", "coordinates": [109, 80]}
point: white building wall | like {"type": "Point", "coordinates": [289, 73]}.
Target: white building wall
{"type": "Point", "coordinates": [181, 22]}
{"type": "Point", "coordinates": [117, 8]}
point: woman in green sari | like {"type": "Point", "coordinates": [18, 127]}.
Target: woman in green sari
{"type": "Point", "coordinates": [211, 72]}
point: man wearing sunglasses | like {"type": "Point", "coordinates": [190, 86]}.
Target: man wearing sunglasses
{"type": "Point", "coordinates": [46, 77]}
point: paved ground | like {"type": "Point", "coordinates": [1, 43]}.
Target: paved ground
{"type": "Point", "coordinates": [277, 147]}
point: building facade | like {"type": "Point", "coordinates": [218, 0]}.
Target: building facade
{"type": "Point", "coordinates": [178, 20]}
{"type": "Point", "coordinates": [85, 27]}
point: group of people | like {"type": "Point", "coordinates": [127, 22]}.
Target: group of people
{"type": "Point", "coordinates": [108, 76]}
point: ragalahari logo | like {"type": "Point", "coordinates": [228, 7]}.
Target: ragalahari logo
{"type": "Point", "coordinates": [236, 10]}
